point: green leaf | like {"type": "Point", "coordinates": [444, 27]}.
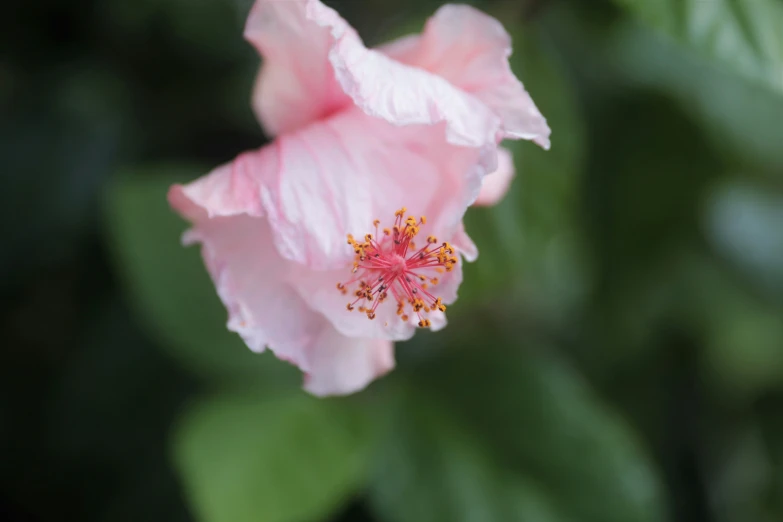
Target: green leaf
{"type": "Point", "coordinates": [742, 332]}
{"type": "Point", "coordinates": [245, 458]}
{"type": "Point", "coordinates": [739, 471]}
{"type": "Point", "coordinates": [745, 224]}
{"type": "Point", "coordinates": [431, 470]}
{"type": "Point", "coordinates": [539, 416]}
{"type": "Point", "coordinates": [168, 285]}
{"type": "Point", "coordinates": [743, 35]}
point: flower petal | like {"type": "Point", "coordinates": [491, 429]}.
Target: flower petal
{"type": "Point", "coordinates": [470, 49]}
{"type": "Point", "coordinates": [497, 184]}
{"type": "Point", "coordinates": [335, 177]}
{"type": "Point", "coordinates": [252, 281]}
{"type": "Point", "coordinates": [464, 244]}
{"type": "Point", "coordinates": [400, 94]}
{"type": "Point", "coordinates": [296, 83]}
{"type": "Point", "coordinates": [341, 365]}
{"type": "Point", "coordinates": [229, 190]}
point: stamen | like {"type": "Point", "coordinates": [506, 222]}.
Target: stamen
{"type": "Point", "coordinates": [385, 268]}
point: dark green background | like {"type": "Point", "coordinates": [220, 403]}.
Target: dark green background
{"type": "Point", "coordinates": [616, 354]}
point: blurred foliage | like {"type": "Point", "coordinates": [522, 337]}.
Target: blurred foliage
{"type": "Point", "coordinates": [616, 353]}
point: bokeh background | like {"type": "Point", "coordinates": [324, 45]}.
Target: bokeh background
{"type": "Point", "coordinates": [616, 354]}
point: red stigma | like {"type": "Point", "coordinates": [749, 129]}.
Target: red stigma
{"type": "Point", "coordinates": [389, 265]}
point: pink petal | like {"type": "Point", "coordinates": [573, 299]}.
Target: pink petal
{"type": "Point", "coordinates": [400, 94]}
{"type": "Point", "coordinates": [253, 282]}
{"type": "Point", "coordinates": [334, 178]}
{"type": "Point", "coordinates": [464, 244]}
{"type": "Point", "coordinates": [470, 49]}
{"type": "Point", "coordinates": [307, 45]}
{"type": "Point", "coordinates": [229, 190]}
{"type": "Point", "coordinates": [296, 83]}
{"type": "Point", "coordinates": [341, 365]}
{"type": "Point", "coordinates": [318, 288]}
{"type": "Point", "coordinates": [496, 184]}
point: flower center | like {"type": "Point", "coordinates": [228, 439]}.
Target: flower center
{"type": "Point", "coordinates": [389, 264]}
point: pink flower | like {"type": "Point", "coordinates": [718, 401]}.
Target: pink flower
{"type": "Point", "coordinates": [360, 133]}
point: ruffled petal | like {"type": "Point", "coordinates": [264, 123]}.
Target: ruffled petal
{"type": "Point", "coordinates": [340, 365]}
{"type": "Point", "coordinates": [335, 177]}
{"type": "Point", "coordinates": [252, 280]}
{"type": "Point", "coordinates": [254, 283]}
{"type": "Point", "coordinates": [229, 190]}
{"type": "Point", "coordinates": [296, 83]}
{"type": "Point", "coordinates": [497, 184]}
{"type": "Point", "coordinates": [464, 244]}
{"type": "Point", "coordinates": [403, 95]}
{"type": "Point", "coordinates": [470, 49]}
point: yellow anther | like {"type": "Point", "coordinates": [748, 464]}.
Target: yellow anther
{"type": "Point", "coordinates": [439, 305]}
{"type": "Point", "coordinates": [439, 270]}
{"type": "Point", "coordinates": [423, 220]}
{"type": "Point", "coordinates": [376, 222]}
{"type": "Point", "coordinates": [386, 231]}
{"type": "Point", "coordinates": [368, 238]}
{"type": "Point", "coordinates": [404, 317]}
{"type": "Point", "coordinates": [400, 212]}
{"type": "Point", "coordinates": [370, 314]}
{"type": "Point", "coordinates": [434, 281]}
{"type": "Point", "coordinates": [424, 323]}
{"type": "Point", "coordinates": [349, 306]}
{"type": "Point", "coordinates": [432, 240]}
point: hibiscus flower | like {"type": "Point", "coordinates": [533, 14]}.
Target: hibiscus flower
{"type": "Point", "coordinates": [390, 144]}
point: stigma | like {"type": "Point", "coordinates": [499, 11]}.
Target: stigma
{"type": "Point", "coordinates": [389, 266]}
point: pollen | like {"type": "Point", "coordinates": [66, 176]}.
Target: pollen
{"type": "Point", "coordinates": [389, 267]}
